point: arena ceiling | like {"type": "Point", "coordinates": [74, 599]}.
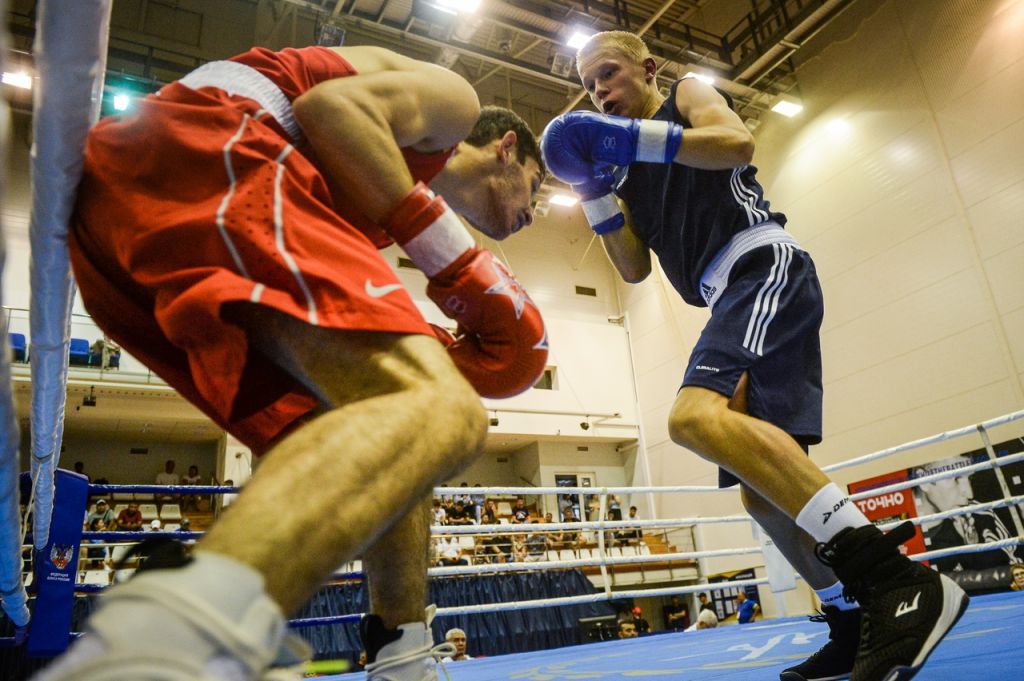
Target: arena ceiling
{"type": "Point", "coordinates": [513, 51]}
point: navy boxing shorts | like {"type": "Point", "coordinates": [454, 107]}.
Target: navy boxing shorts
{"type": "Point", "coordinates": [766, 323]}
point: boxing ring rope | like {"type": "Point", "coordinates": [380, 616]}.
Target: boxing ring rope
{"type": "Point", "coordinates": [70, 52]}
{"type": "Point", "coordinates": [13, 597]}
{"type": "Point", "coordinates": [600, 556]}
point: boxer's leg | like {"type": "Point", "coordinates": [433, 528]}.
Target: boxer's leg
{"type": "Point", "coordinates": [402, 419]}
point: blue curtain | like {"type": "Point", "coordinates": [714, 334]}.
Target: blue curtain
{"type": "Point", "coordinates": [488, 633]}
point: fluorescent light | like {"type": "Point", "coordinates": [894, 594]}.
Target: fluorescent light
{"type": "Point", "coordinates": [787, 106]}
{"type": "Point", "coordinates": [458, 6]}
{"type": "Point", "coordinates": [121, 102]}
{"type": "Point", "coordinates": [578, 39]}
{"type": "Point", "coordinates": [560, 199]}
{"type": "Point", "coordinates": [21, 79]}
{"type": "Point", "coordinates": [701, 77]}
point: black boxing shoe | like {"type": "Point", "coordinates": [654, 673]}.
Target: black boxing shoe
{"type": "Point", "coordinates": [907, 608]}
{"type": "Point", "coordinates": [835, 659]}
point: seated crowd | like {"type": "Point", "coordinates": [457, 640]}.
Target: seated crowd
{"type": "Point", "coordinates": [518, 545]}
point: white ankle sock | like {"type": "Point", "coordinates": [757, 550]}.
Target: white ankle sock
{"type": "Point", "coordinates": [833, 596]}
{"type": "Point", "coordinates": [828, 512]}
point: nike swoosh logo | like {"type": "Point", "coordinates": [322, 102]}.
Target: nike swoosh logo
{"type": "Point", "coordinates": [380, 291]}
{"type": "Point", "coordinates": [903, 608]}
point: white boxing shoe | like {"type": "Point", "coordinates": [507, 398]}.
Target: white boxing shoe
{"type": "Point", "coordinates": [407, 653]}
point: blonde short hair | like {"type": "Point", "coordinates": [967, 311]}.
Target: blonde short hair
{"type": "Point", "coordinates": [629, 44]}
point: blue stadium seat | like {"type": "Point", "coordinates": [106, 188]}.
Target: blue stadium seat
{"type": "Point", "coordinates": [79, 353]}
{"type": "Point", "coordinates": [18, 347]}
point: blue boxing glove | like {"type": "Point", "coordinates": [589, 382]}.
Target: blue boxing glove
{"type": "Point", "coordinates": [598, 202]}
{"type": "Point", "coordinates": [576, 143]}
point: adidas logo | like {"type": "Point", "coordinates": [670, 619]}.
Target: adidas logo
{"type": "Point", "coordinates": [707, 291]}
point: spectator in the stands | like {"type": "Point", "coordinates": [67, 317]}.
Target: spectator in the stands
{"type": "Point", "coordinates": [615, 507]}
{"type": "Point", "coordinates": [155, 525]}
{"type": "Point", "coordinates": [130, 519]}
{"type": "Point", "coordinates": [627, 629]}
{"type": "Point", "coordinates": [191, 501]}
{"type": "Point", "coordinates": [97, 556]}
{"type": "Point", "coordinates": [478, 500]}
{"type": "Point", "coordinates": [704, 604]}
{"type": "Point", "coordinates": [520, 552]}
{"type": "Point", "coordinates": [459, 515]}
{"type": "Point", "coordinates": [168, 477]}
{"type": "Point", "coordinates": [1017, 577]}
{"type": "Point", "coordinates": [80, 469]}
{"type": "Point", "coordinates": [536, 545]}
{"type": "Point", "coordinates": [520, 513]}
{"type": "Point", "coordinates": [104, 512]}
{"type": "Point", "coordinates": [449, 551]}
{"type": "Point", "coordinates": [489, 514]}
{"type": "Point", "coordinates": [632, 536]}
{"type": "Point", "coordinates": [467, 500]}
{"type": "Point", "coordinates": [193, 477]}
{"type": "Point", "coordinates": [457, 637]}
{"type": "Point", "coordinates": [497, 548]}
{"type": "Point", "coordinates": [437, 514]}
{"type": "Point", "coordinates": [565, 539]}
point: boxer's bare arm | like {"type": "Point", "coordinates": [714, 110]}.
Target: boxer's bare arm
{"type": "Point", "coordinates": [358, 124]}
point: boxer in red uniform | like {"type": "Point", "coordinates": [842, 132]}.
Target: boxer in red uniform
{"type": "Point", "coordinates": [227, 234]}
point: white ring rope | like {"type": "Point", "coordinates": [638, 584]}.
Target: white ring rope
{"type": "Point", "coordinates": [601, 555]}
{"type": "Point", "coordinates": [595, 597]}
{"type": "Point", "coordinates": [941, 437]}
{"type": "Point", "coordinates": [952, 473]}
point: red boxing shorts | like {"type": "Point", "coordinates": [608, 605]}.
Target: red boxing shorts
{"type": "Point", "coordinates": [199, 200]}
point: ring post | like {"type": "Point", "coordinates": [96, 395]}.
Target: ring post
{"type": "Point", "coordinates": [56, 567]}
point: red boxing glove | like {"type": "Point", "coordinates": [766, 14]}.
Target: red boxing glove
{"type": "Point", "coordinates": [502, 348]}
{"type": "Point", "coordinates": [505, 347]}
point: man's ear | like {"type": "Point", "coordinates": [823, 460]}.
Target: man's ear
{"type": "Point", "coordinates": [650, 69]}
{"type": "Point", "coordinates": [506, 146]}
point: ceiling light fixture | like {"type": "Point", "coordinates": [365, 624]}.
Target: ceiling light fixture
{"type": "Point", "coordinates": [458, 6]}
{"type": "Point", "coordinates": [560, 199]}
{"type": "Point", "coordinates": [787, 106]}
{"type": "Point", "coordinates": [20, 80]}
{"type": "Point", "coordinates": [578, 38]}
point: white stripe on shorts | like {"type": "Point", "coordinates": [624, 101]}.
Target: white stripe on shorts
{"type": "Point", "coordinates": [766, 303]}
{"type": "Point", "coordinates": [279, 236]}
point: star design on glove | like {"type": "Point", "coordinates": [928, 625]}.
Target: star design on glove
{"type": "Point", "coordinates": [508, 286]}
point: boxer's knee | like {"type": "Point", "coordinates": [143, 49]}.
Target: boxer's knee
{"type": "Point", "coordinates": [694, 418]}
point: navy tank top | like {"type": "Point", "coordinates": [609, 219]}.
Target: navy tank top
{"type": "Point", "coordinates": [686, 215]}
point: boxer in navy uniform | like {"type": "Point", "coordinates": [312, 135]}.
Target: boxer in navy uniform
{"type": "Point", "coordinates": [751, 396]}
